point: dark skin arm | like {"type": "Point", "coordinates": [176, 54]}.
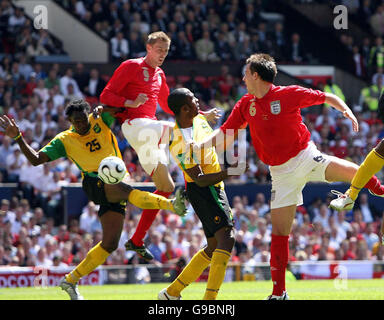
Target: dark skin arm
{"type": "Point", "coordinates": [208, 179]}
{"type": "Point", "coordinates": [205, 180]}
{"type": "Point", "coordinates": [112, 110]}
{"type": "Point", "coordinates": [11, 129]}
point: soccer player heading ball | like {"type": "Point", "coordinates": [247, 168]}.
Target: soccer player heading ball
{"type": "Point", "coordinates": [138, 85]}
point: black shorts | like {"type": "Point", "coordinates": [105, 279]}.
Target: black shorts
{"type": "Point", "coordinates": [94, 188]}
{"type": "Point", "coordinates": [211, 206]}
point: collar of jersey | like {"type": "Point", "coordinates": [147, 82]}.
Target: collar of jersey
{"type": "Point", "coordinates": [73, 130]}
{"type": "Point", "coordinates": [178, 126]}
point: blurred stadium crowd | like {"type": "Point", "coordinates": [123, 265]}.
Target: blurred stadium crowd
{"type": "Point", "coordinates": [31, 229]}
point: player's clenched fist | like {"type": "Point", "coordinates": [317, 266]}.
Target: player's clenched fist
{"type": "Point", "coordinates": [141, 99]}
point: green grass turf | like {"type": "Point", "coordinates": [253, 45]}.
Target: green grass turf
{"type": "Point", "coordinates": [245, 290]}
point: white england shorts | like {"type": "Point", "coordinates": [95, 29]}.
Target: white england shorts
{"type": "Point", "coordinates": [145, 136]}
{"type": "Point", "coordinates": [290, 178]}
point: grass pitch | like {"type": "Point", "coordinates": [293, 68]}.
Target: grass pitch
{"type": "Point", "coordinates": [244, 290]}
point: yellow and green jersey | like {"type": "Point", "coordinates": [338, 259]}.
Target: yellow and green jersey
{"type": "Point", "coordinates": [186, 159]}
{"type": "Point", "coordinates": [86, 151]}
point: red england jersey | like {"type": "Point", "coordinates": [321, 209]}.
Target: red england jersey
{"type": "Point", "coordinates": [275, 123]}
{"type": "Point", "coordinates": [131, 78]}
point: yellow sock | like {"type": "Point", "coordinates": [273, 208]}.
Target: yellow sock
{"type": "Point", "coordinates": [216, 275]}
{"type": "Point", "coordinates": [191, 272]}
{"type": "Point", "coordinates": [148, 200]}
{"type": "Point", "coordinates": [371, 165]}
{"type": "Point", "coordinates": [95, 257]}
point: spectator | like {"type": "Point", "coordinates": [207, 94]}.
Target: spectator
{"type": "Point", "coordinates": [24, 67]}
{"type": "Point", "coordinates": [16, 21]}
{"type": "Point", "coordinates": [35, 48]}
{"type": "Point", "coordinates": [378, 74]}
{"type": "Point", "coordinates": [161, 20]}
{"type": "Point", "coordinates": [370, 237]}
{"type": "Point", "coordinates": [47, 43]}
{"type": "Point", "coordinates": [376, 55]}
{"type": "Point", "coordinates": [52, 79]}
{"type": "Point", "coordinates": [278, 39]}
{"type": "Point", "coordinates": [136, 45]}
{"type": "Point", "coordinates": [296, 52]}
{"type": "Point", "coordinates": [240, 245]}
{"type": "Point", "coordinates": [57, 262]}
{"type": "Point", "coordinates": [41, 91]}
{"type": "Point", "coordinates": [171, 254]}
{"type": "Point", "coordinates": [376, 21]}
{"type": "Point", "coordinates": [42, 260]}
{"type": "Point", "coordinates": [184, 48]}
{"type": "Point", "coordinates": [89, 221]}
{"type": "Point", "coordinates": [222, 48]}
{"type": "Point", "coordinates": [156, 247]}
{"type": "Point", "coordinates": [205, 49]}
{"type": "Point", "coordinates": [67, 80]}
{"type": "Point", "coordinates": [358, 62]}
{"type": "Point", "coordinates": [138, 25]}
{"type": "Point", "coordinates": [323, 216]}
{"type": "Point", "coordinates": [14, 162]}
{"type": "Point", "coordinates": [367, 210]}
{"type": "Point", "coordinates": [5, 150]}
{"type": "Point", "coordinates": [95, 84]}
{"type": "Point", "coordinates": [119, 47]}
{"type": "Point", "coordinates": [81, 76]}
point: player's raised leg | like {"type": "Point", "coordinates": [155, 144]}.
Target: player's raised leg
{"type": "Point", "coordinates": [144, 199]}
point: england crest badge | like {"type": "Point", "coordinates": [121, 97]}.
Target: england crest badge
{"type": "Point", "coordinates": [275, 107]}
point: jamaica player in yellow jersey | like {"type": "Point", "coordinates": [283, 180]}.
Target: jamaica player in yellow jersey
{"type": "Point", "coordinates": [205, 191]}
{"type": "Point", "coordinates": [86, 143]}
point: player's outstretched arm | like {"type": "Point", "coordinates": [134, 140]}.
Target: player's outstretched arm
{"type": "Point", "coordinates": [215, 139]}
{"type": "Point", "coordinates": [209, 179]}
{"type": "Point", "coordinates": [340, 105]}
{"type": "Point", "coordinates": [211, 115]}
{"type": "Point", "coordinates": [12, 130]}
{"type": "Point", "coordinates": [205, 180]}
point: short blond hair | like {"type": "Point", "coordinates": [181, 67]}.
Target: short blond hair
{"type": "Point", "coordinates": [158, 36]}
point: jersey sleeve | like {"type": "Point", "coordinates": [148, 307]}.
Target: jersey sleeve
{"type": "Point", "coordinates": [236, 119]}
{"type": "Point", "coordinates": [111, 93]}
{"type": "Point", "coordinates": [107, 118]}
{"type": "Point", "coordinates": [306, 97]}
{"type": "Point", "coordinates": [54, 149]}
{"type": "Point", "coordinates": [163, 95]}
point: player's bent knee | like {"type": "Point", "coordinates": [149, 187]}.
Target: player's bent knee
{"type": "Point", "coordinates": [109, 246]}
{"type": "Point", "coordinates": [226, 238]}
{"type": "Point", "coordinates": [166, 187]}
{"type": "Point", "coordinates": [117, 192]}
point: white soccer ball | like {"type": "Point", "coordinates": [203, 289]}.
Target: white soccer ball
{"type": "Point", "coordinates": [112, 170]}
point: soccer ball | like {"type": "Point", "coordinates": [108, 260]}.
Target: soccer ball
{"type": "Point", "coordinates": [112, 170]}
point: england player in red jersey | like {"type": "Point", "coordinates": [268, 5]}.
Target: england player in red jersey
{"type": "Point", "coordinates": [139, 85]}
{"type": "Point", "coordinates": [282, 141]}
